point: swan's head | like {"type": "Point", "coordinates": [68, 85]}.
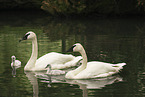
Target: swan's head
{"type": "Point", "coordinates": [29, 36]}
{"type": "Point", "coordinates": [13, 58]}
{"type": "Point", "coordinates": [48, 69]}
{"type": "Point", "coordinates": [76, 48]}
{"type": "Point", "coordinates": [48, 66]}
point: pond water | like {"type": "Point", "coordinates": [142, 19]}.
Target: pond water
{"type": "Point", "coordinates": [108, 40]}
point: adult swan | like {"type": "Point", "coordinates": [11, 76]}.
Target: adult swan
{"type": "Point", "coordinates": [92, 69]}
{"type": "Point", "coordinates": [57, 60]}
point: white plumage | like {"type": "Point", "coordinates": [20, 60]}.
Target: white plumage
{"type": "Point", "coordinates": [92, 69]}
{"type": "Point", "coordinates": [54, 72]}
{"type": "Point", "coordinates": [56, 60]}
{"type": "Point", "coordinates": [15, 63]}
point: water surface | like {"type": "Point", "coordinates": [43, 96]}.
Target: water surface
{"type": "Point", "coordinates": [107, 40]}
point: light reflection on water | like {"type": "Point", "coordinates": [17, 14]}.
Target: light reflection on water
{"type": "Point", "coordinates": [109, 40]}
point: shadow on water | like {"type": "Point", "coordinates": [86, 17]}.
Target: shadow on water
{"type": "Point", "coordinates": [108, 40]}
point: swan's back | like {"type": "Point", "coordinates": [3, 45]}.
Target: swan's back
{"type": "Point", "coordinates": [55, 72]}
{"type": "Point", "coordinates": [17, 63]}
{"type": "Point", "coordinates": [96, 69]}
{"type": "Point", "coordinates": [68, 64]}
{"type": "Point", "coordinates": [104, 68]}
{"type": "Point", "coordinates": [52, 58]}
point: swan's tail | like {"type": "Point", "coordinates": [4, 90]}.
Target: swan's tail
{"type": "Point", "coordinates": [74, 62]}
{"type": "Point", "coordinates": [119, 66]}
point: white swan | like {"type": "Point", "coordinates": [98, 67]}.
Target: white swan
{"type": "Point", "coordinates": [92, 69]}
{"type": "Point", "coordinates": [53, 72]}
{"type": "Point", "coordinates": [57, 60]}
{"type": "Point", "coordinates": [15, 63]}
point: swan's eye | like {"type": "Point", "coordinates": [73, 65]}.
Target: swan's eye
{"type": "Point", "coordinates": [74, 46]}
{"type": "Point", "coordinates": [26, 36]}
{"type": "Point", "coordinates": [71, 49]}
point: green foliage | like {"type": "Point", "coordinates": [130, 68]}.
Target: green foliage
{"type": "Point", "coordinates": [79, 7]}
{"type": "Point", "coordinates": [73, 7]}
{"type": "Point", "coordinates": [63, 7]}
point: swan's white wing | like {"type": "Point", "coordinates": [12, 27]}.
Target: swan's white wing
{"type": "Point", "coordinates": [55, 72]}
{"type": "Point", "coordinates": [97, 69]}
{"type": "Point", "coordinates": [68, 64]}
{"type": "Point", "coordinates": [17, 63]}
{"type": "Point", "coordinates": [52, 58]}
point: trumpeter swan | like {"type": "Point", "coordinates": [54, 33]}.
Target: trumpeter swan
{"type": "Point", "coordinates": [56, 60]}
{"type": "Point", "coordinates": [15, 63]}
{"type": "Point", "coordinates": [92, 69]}
{"type": "Point", "coordinates": [53, 72]}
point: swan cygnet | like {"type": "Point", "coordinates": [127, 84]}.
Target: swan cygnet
{"type": "Point", "coordinates": [53, 72]}
{"type": "Point", "coordinates": [92, 69]}
{"type": "Point", "coordinates": [15, 63]}
{"type": "Point", "coordinates": [57, 60]}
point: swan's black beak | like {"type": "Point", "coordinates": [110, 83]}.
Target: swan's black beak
{"type": "Point", "coordinates": [47, 66]}
{"type": "Point", "coordinates": [25, 37]}
{"type": "Point", "coordinates": [71, 49]}
{"type": "Point", "coordinates": [22, 39]}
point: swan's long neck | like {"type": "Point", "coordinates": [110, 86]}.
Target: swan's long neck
{"type": "Point", "coordinates": [13, 60]}
{"type": "Point", "coordinates": [31, 63]}
{"type": "Point", "coordinates": [49, 71]}
{"type": "Point", "coordinates": [84, 63]}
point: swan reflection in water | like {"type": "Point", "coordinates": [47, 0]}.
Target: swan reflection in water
{"type": "Point", "coordinates": [47, 78]}
{"type": "Point", "coordinates": [33, 80]}
{"type": "Point", "coordinates": [14, 72]}
{"type": "Point", "coordinates": [83, 84]}
{"type": "Point", "coordinates": [96, 83]}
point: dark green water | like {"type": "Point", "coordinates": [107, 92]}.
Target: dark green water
{"type": "Point", "coordinates": [107, 40]}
